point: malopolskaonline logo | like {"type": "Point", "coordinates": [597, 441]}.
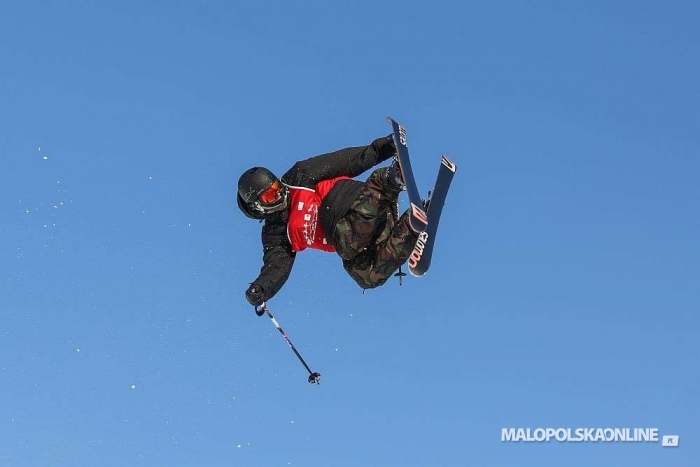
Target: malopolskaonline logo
{"type": "Point", "coordinates": [586, 435]}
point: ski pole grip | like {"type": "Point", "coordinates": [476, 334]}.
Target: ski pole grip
{"type": "Point", "coordinates": [260, 310]}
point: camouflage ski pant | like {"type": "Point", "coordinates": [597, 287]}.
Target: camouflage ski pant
{"type": "Point", "coordinates": [371, 239]}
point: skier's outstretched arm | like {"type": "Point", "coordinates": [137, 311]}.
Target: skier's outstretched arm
{"type": "Point", "coordinates": [349, 162]}
{"type": "Point", "coordinates": [278, 259]}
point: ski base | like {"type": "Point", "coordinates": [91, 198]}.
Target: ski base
{"type": "Point", "coordinates": [418, 217]}
{"type": "Point", "coordinates": [421, 257]}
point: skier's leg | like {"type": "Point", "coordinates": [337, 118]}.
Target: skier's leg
{"type": "Point", "coordinates": [372, 267]}
{"type": "Point", "coordinates": [367, 216]}
{"type": "Point", "coordinates": [360, 269]}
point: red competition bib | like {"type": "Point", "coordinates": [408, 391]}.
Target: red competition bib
{"type": "Point", "coordinates": [304, 227]}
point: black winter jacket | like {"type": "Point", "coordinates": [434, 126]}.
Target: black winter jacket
{"type": "Point", "coordinates": [278, 257]}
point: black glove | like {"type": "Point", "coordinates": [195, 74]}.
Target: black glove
{"type": "Point", "coordinates": [255, 295]}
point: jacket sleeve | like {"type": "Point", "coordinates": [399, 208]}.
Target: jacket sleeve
{"type": "Point", "coordinates": [349, 162]}
{"type": "Point", "coordinates": [278, 259]}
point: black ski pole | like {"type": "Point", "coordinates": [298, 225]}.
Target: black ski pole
{"type": "Point", "coordinates": [314, 377]}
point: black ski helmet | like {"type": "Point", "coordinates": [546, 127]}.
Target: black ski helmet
{"type": "Point", "coordinates": [252, 184]}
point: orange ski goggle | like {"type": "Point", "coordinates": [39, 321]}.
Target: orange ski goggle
{"type": "Point", "coordinates": [272, 195]}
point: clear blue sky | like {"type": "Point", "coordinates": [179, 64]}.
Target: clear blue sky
{"type": "Point", "coordinates": [564, 290]}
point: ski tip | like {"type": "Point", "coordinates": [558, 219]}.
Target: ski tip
{"type": "Point", "coordinates": [448, 163]}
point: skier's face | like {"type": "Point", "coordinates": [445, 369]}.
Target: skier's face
{"type": "Point", "coordinates": [272, 195]}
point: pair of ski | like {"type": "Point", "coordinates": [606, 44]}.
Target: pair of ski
{"type": "Point", "coordinates": [424, 214]}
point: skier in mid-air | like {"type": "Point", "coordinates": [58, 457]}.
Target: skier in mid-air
{"type": "Point", "coordinates": [317, 204]}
